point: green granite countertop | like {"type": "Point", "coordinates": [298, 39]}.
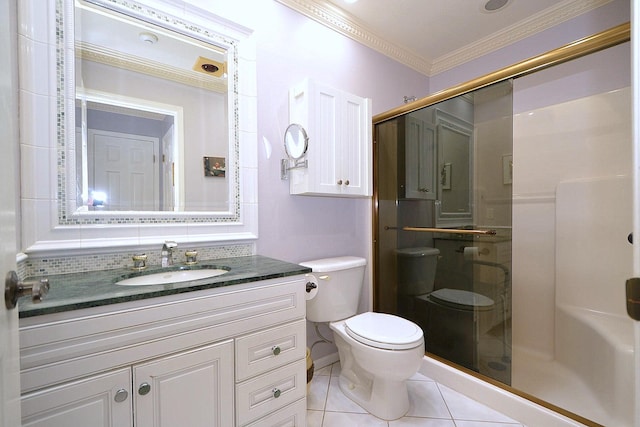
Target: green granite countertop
{"type": "Point", "coordinates": [96, 288]}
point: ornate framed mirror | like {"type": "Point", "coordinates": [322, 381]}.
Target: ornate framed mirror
{"type": "Point", "coordinates": [139, 83]}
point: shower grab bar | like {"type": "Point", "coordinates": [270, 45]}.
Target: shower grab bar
{"type": "Point", "coordinates": [450, 230]}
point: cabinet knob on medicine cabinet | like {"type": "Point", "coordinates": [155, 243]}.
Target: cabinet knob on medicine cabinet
{"type": "Point", "coordinates": [276, 392]}
{"type": "Point", "coordinates": [339, 182]}
{"type": "Point", "coordinates": [346, 182]}
{"type": "Point", "coordinates": [144, 388]}
{"type": "Point", "coordinates": [121, 395]}
{"type": "Point", "coordinates": [275, 350]}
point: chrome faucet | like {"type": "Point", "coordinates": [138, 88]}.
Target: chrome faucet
{"type": "Point", "coordinates": [167, 253]}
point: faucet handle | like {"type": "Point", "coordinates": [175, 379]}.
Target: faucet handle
{"type": "Point", "coordinates": [170, 244]}
{"type": "Point", "coordinates": [191, 255]}
{"type": "Point", "coordinates": [139, 261]}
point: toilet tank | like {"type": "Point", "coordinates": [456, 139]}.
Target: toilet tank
{"type": "Point", "coordinates": [416, 270]}
{"type": "Point", "coordinates": [339, 284]}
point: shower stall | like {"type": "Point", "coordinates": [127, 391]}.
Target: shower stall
{"type": "Point", "coordinates": [503, 224]}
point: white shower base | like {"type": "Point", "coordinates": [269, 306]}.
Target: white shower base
{"type": "Point", "coordinates": [513, 406]}
{"type": "Point", "coordinates": [592, 374]}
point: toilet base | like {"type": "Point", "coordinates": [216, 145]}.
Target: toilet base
{"type": "Point", "coordinates": [374, 378]}
{"type": "Point", "coordinates": [388, 400]}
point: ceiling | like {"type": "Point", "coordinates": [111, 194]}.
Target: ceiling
{"type": "Point", "coordinates": [432, 36]}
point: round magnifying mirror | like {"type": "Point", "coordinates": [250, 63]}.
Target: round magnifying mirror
{"type": "Point", "coordinates": [296, 141]}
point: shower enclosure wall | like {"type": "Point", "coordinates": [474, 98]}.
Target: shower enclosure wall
{"type": "Point", "coordinates": [517, 197]}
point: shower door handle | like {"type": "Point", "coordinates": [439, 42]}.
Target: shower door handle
{"type": "Point", "coordinates": [633, 298]}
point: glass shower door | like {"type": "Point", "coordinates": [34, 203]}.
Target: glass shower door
{"type": "Point", "coordinates": [444, 216]}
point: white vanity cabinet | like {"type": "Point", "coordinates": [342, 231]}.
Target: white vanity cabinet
{"type": "Point", "coordinates": [227, 356]}
{"type": "Point", "coordinates": [339, 155]}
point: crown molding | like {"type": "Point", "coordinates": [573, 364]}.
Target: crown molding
{"type": "Point", "coordinates": [329, 15]}
{"type": "Point", "coordinates": [334, 18]}
{"type": "Point", "coordinates": [537, 23]}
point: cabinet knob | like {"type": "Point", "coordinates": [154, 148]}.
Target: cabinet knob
{"type": "Point", "coordinates": [339, 182]}
{"type": "Point", "coordinates": [121, 395]}
{"type": "Point", "coordinates": [346, 182]}
{"type": "Point", "coordinates": [144, 388]}
{"type": "Point", "coordinates": [275, 350]}
{"type": "Point", "coordinates": [276, 392]}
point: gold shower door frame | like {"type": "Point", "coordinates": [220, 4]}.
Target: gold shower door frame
{"type": "Point", "coordinates": [579, 48]}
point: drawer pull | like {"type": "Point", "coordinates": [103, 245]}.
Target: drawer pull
{"type": "Point", "coordinates": [121, 395]}
{"type": "Point", "coordinates": [275, 350]}
{"type": "Point", "coordinates": [276, 392]}
{"type": "Point", "coordinates": [144, 388]}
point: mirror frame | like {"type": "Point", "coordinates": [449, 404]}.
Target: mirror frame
{"type": "Point", "coordinates": [293, 133]}
{"type": "Point", "coordinates": [50, 221]}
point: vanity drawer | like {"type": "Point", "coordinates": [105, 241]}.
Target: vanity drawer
{"type": "Point", "coordinates": [294, 415]}
{"type": "Point", "coordinates": [267, 393]}
{"type": "Point", "coordinates": [266, 350]}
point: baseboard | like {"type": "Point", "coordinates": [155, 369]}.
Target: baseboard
{"type": "Point", "coordinates": [325, 361]}
{"type": "Point", "coordinates": [509, 404]}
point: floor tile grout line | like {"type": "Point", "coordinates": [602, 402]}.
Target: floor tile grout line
{"type": "Point", "coordinates": [446, 403]}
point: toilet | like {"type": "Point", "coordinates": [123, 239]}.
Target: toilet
{"type": "Point", "coordinates": [452, 318]}
{"type": "Point", "coordinates": [378, 352]}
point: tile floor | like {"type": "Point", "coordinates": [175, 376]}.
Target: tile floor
{"type": "Point", "coordinates": [432, 405]}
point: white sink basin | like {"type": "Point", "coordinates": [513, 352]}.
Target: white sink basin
{"type": "Point", "coordinates": [165, 277]}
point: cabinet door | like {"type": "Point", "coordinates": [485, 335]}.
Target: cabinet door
{"type": "Point", "coordinates": [325, 143]}
{"type": "Point", "coordinates": [192, 388]}
{"type": "Point", "coordinates": [101, 400]}
{"type": "Point", "coordinates": [354, 158]}
{"type": "Point", "coordinates": [340, 162]}
{"type": "Point", "coordinates": [420, 159]}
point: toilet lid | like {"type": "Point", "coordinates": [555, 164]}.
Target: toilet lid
{"type": "Point", "coordinates": [384, 331]}
{"type": "Point", "coordinates": [464, 300]}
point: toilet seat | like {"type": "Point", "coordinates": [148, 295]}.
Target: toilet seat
{"type": "Point", "coordinates": [462, 300]}
{"type": "Point", "coordinates": [384, 331]}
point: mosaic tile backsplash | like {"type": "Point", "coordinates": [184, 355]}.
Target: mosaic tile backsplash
{"type": "Point", "coordinates": [36, 267]}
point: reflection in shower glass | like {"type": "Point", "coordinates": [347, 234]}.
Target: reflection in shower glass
{"type": "Point", "coordinates": [442, 168]}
